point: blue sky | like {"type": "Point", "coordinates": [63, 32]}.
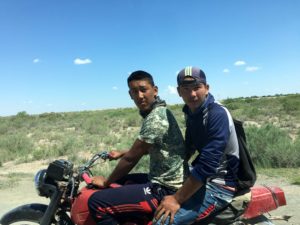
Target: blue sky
{"type": "Point", "coordinates": [63, 55]}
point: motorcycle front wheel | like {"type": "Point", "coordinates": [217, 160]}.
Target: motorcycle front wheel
{"type": "Point", "coordinates": [25, 214]}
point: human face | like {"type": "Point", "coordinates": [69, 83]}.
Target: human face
{"type": "Point", "coordinates": [193, 94]}
{"type": "Point", "coordinates": [143, 94]}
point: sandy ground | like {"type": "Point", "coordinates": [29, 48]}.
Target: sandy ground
{"type": "Point", "coordinates": [23, 192]}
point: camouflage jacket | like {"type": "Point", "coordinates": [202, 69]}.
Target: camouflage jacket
{"type": "Point", "coordinates": [168, 165]}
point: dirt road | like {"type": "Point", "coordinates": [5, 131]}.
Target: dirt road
{"type": "Point", "coordinates": [24, 192]}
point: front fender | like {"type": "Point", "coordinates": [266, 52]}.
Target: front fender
{"type": "Point", "coordinates": [30, 212]}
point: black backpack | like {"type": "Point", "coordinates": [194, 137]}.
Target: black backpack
{"type": "Point", "coordinates": [246, 174]}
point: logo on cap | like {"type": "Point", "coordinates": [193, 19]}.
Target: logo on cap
{"type": "Point", "coordinates": [188, 71]}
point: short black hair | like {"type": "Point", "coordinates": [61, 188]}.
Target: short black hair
{"type": "Point", "coordinates": [140, 75]}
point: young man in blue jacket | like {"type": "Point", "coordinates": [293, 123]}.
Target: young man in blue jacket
{"type": "Point", "coordinates": [210, 131]}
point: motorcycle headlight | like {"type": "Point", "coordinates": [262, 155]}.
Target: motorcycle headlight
{"type": "Point", "coordinates": [60, 170]}
{"type": "Point", "coordinates": [39, 181]}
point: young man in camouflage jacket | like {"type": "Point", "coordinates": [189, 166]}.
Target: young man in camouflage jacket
{"type": "Point", "coordinates": [161, 138]}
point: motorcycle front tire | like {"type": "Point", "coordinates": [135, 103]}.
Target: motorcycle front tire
{"type": "Point", "coordinates": [27, 214]}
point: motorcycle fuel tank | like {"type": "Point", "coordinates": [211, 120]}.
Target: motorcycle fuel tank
{"type": "Point", "coordinates": [80, 213]}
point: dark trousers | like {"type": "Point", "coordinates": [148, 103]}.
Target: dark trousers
{"type": "Point", "coordinates": [132, 202]}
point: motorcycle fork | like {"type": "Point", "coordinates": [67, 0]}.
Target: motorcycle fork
{"type": "Point", "coordinates": [52, 207]}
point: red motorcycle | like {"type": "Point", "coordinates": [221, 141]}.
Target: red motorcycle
{"type": "Point", "coordinates": [68, 203]}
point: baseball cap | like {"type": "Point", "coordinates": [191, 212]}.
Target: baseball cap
{"type": "Point", "coordinates": [193, 72]}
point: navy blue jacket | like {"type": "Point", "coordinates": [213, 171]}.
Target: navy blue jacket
{"type": "Point", "coordinates": [210, 130]}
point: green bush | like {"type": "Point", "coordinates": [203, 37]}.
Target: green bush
{"type": "Point", "coordinates": [95, 126]}
{"type": "Point", "coordinates": [15, 146]}
{"type": "Point", "coordinates": [271, 146]}
{"type": "Point", "coordinates": [232, 106]}
{"type": "Point", "coordinates": [251, 112]}
{"type": "Point", "coordinates": [4, 126]}
{"type": "Point", "coordinates": [291, 104]}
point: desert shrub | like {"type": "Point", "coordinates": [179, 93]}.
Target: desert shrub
{"type": "Point", "coordinates": [51, 117]}
{"type": "Point", "coordinates": [232, 106]}
{"type": "Point", "coordinates": [271, 146]}
{"type": "Point", "coordinates": [251, 112]}
{"type": "Point", "coordinates": [291, 104]}
{"type": "Point", "coordinates": [22, 114]}
{"type": "Point", "coordinates": [229, 101]}
{"type": "Point", "coordinates": [34, 137]}
{"type": "Point", "coordinates": [131, 118]}
{"type": "Point", "coordinates": [4, 126]}
{"type": "Point", "coordinates": [250, 100]}
{"type": "Point", "coordinates": [4, 155]}
{"type": "Point", "coordinates": [15, 146]}
{"type": "Point", "coordinates": [95, 128]}
{"type": "Point", "coordinates": [67, 147]}
{"type": "Point", "coordinates": [94, 125]}
{"type": "Point", "coordinates": [133, 121]}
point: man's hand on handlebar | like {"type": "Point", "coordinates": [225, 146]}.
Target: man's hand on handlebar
{"type": "Point", "coordinates": [99, 181]}
{"type": "Point", "coordinates": [114, 155]}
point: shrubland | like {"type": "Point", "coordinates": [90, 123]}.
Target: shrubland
{"type": "Point", "coordinates": [271, 123]}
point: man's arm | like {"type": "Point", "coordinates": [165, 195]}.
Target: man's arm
{"type": "Point", "coordinates": [126, 163]}
{"type": "Point", "coordinates": [190, 187]}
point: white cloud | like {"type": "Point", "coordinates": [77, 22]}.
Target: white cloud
{"type": "Point", "coordinates": [36, 60]}
{"type": "Point", "coordinates": [115, 88]}
{"type": "Point", "coordinates": [226, 70]}
{"type": "Point", "coordinates": [240, 63]}
{"type": "Point", "coordinates": [252, 68]}
{"type": "Point", "coordinates": [79, 61]}
{"type": "Point", "coordinates": [172, 90]}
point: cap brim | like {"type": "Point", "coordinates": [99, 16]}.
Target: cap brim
{"type": "Point", "coordinates": [191, 82]}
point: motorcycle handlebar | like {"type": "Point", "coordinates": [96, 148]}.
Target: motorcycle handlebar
{"type": "Point", "coordinates": [84, 169]}
{"type": "Point", "coordinates": [103, 155]}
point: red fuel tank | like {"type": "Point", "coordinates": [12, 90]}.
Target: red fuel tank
{"type": "Point", "coordinates": [80, 213]}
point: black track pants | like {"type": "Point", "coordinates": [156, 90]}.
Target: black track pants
{"type": "Point", "coordinates": [129, 202]}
